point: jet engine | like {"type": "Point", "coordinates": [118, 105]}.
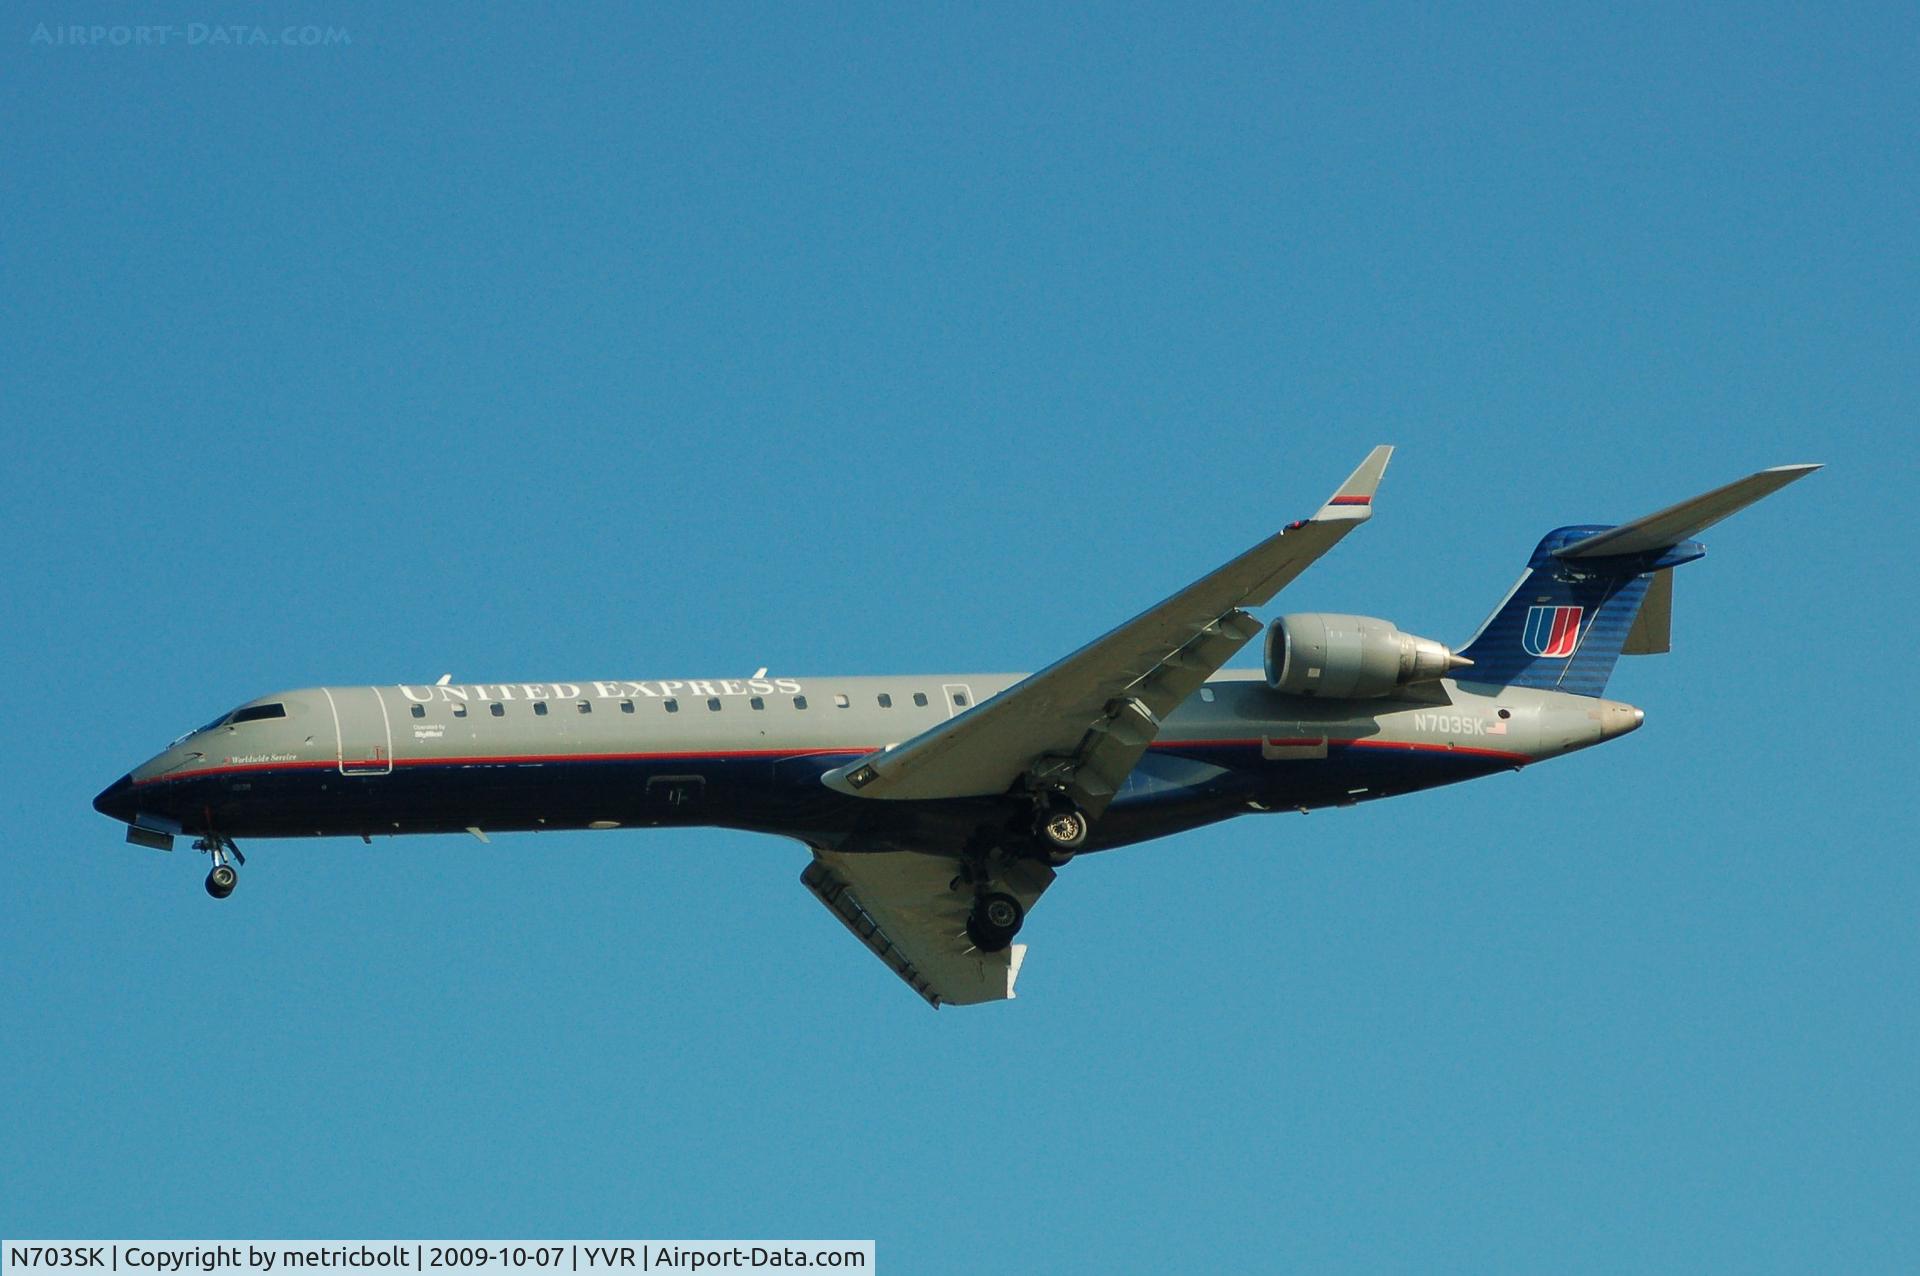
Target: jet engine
{"type": "Point", "coordinates": [1350, 657]}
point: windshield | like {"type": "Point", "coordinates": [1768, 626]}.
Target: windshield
{"type": "Point", "coordinates": [248, 713]}
{"type": "Point", "coordinates": [184, 736]}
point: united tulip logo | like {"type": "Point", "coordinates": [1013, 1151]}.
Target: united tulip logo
{"type": "Point", "coordinates": [1552, 631]}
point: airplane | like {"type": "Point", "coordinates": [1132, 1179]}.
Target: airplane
{"type": "Point", "coordinates": [939, 808]}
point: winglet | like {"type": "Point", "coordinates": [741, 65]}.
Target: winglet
{"type": "Point", "coordinates": [1353, 502]}
{"type": "Point", "coordinates": [1686, 520]}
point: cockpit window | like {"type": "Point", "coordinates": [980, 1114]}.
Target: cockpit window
{"type": "Point", "coordinates": [185, 736]}
{"type": "Point", "coordinates": [257, 712]}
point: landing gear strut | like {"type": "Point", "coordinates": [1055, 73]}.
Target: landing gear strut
{"type": "Point", "coordinates": [222, 877]}
{"type": "Point", "coordinates": [994, 921]}
{"type": "Point", "coordinates": [996, 915]}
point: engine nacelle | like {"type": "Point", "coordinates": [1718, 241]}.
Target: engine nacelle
{"type": "Point", "coordinates": [1350, 657]}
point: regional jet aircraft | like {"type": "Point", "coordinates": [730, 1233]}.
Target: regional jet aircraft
{"type": "Point", "coordinates": [939, 808]}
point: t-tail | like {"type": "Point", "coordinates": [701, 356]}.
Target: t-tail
{"type": "Point", "coordinates": [1592, 594]}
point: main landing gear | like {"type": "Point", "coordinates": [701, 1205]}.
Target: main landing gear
{"type": "Point", "coordinates": [1000, 859]}
{"type": "Point", "coordinates": [222, 877]}
{"type": "Point", "coordinates": [994, 921]}
{"type": "Point", "coordinates": [996, 915]}
{"type": "Point", "coordinates": [1061, 828]}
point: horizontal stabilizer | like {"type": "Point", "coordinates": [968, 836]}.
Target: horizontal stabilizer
{"type": "Point", "coordinates": [1686, 520]}
{"type": "Point", "coordinates": [1592, 594]}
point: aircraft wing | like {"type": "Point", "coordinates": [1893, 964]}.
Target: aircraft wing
{"type": "Point", "coordinates": [903, 907]}
{"type": "Point", "coordinates": [1084, 721]}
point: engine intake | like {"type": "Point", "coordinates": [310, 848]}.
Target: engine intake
{"type": "Point", "coordinates": [1350, 657]}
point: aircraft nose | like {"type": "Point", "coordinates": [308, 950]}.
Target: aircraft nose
{"type": "Point", "coordinates": [116, 800]}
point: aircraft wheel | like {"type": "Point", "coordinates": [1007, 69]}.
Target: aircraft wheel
{"type": "Point", "coordinates": [1065, 829]}
{"type": "Point", "coordinates": [221, 881]}
{"type": "Point", "coordinates": [994, 921]}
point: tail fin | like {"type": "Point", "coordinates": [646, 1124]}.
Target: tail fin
{"type": "Point", "coordinates": [1580, 603]}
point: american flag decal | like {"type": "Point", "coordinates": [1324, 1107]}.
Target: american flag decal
{"type": "Point", "coordinates": [1552, 631]}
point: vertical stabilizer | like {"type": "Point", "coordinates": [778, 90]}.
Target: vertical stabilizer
{"type": "Point", "coordinates": [1593, 594]}
{"type": "Point", "coordinates": [1564, 624]}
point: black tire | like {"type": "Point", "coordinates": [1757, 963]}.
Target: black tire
{"type": "Point", "coordinates": [994, 921]}
{"type": "Point", "coordinates": [1065, 829]}
{"type": "Point", "coordinates": [221, 881]}
{"type": "Point", "coordinates": [985, 940]}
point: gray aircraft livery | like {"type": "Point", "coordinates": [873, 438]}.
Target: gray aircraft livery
{"type": "Point", "coordinates": [938, 808]}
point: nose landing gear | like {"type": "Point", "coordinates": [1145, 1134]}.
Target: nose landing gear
{"type": "Point", "coordinates": [222, 877]}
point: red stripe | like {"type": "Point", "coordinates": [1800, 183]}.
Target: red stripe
{"type": "Point", "coordinates": [541, 759]}
{"type": "Point", "coordinates": [1213, 744]}
{"type": "Point", "coordinates": [536, 759]}
{"type": "Point", "coordinates": [239, 768]}
{"type": "Point", "coordinates": [1469, 750]}
{"type": "Point", "coordinates": [1566, 627]}
{"type": "Point", "coordinates": [1351, 500]}
{"type": "Point", "coordinates": [1415, 746]}
{"type": "Point", "coordinates": [521, 759]}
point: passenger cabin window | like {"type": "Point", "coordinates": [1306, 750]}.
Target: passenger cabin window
{"type": "Point", "coordinates": [841, 701]}
{"type": "Point", "coordinates": [540, 708]}
{"type": "Point", "coordinates": [713, 703]}
{"type": "Point", "coordinates": [585, 706]}
{"type": "Point", "coordinates": [256, 712]}
{"type": "Point", "coordinates": [419, 711]}
{"type": "Point", "coordinates": [497, 709]}
{"type": "Point", "coordinates": [1206, 693]}
{"type": "Point", "coordinates": [756, 703]}
{"type": "Point", "coordinates": [626, 706]}
{"type": "Point", "coordinates": [886, 701]}
{"type": "Point", "coordinates": [920, 698]}
{"type": "Point", "coordinates": [960, 699]}
{"type": "Point", "coordinates": [673, 706]}
{"type": "Point", "coordinates": [799, 702]}
{"type": "Point", "coordinates": [459, 711]}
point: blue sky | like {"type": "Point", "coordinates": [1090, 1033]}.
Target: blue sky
{"type": "Point", "coordinates": [660, 343]}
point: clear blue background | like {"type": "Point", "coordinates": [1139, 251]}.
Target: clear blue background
{"type": "Point", "coordinates": [858, 339]}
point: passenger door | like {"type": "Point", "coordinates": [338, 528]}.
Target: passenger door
{"type": "Point", "coordinates": [363, 730]}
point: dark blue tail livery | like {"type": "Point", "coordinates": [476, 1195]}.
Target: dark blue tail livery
{"type": "Point", "coordinates": [1564, 624]}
